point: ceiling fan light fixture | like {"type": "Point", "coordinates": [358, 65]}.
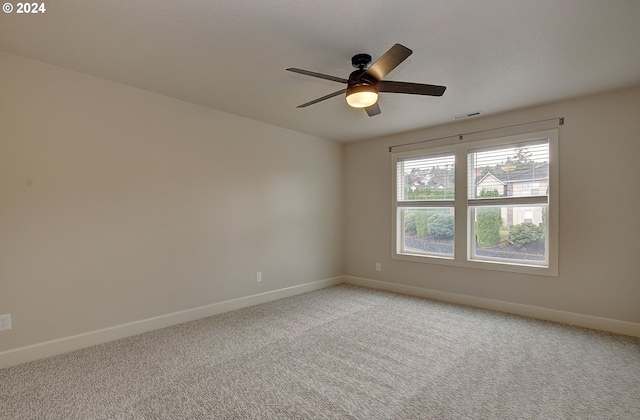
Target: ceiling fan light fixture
{"type": "Point", "coordinates": [367, 80]}
{"type": "Point", "coordinates": [362, 96]}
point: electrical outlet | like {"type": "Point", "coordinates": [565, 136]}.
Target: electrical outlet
{"type": "Point", "coordinates": [259, 276]}
{"type": "Point", "coordinates": [378, 267]}
{"type": "Point", "coordinates": [5, 322]}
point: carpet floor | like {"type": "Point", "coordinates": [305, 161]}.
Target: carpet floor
{"type": "Point", "coordinates": [343, 352]}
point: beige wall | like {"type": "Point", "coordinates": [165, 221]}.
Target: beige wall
{"type": "Point", "coordinates": [599, 274]}
{"type": "Point", "coordinates": [118, 205]}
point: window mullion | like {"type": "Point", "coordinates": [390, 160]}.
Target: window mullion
{"type": "Point", "coordinates": [461, 209]}
{"type": "Point", "coordinates": [425, 203]}
{"type": "Point", "coordinates": [508, 201]}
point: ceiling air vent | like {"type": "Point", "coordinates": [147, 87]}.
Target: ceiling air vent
{"type": "Point", "coordinates": [468, 115]}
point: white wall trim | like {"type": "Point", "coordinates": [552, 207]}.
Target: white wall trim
{"type": "Point", "coordinates": [76, 342]}
{"type": "Point", "coordinates": [571, 318]}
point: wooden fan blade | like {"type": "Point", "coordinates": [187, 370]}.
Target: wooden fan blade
{"type": "Point", "coordinates": [373, 110]}
{"type": "Point", "coordinates": [315, 101]}
{"type": "Point", "coordinates": [410, 88]}
{"type": "Point", "coordinates": [389, 61]}
{"type": "Point", "coordinates": [319, 75]}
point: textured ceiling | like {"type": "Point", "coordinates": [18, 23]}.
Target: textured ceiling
{"type": "Point", "coordinates": [231, 55]}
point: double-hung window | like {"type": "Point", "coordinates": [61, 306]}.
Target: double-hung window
{"type": "Point", "coordinates": [481, 204]}
{"type": "Point", "coordinates": [425, 191]}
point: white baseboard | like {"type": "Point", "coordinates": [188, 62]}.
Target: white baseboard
{"type": "Point", "coordinates": [571, 318]}
{"type": "Point", "coordinates": [63, 345]}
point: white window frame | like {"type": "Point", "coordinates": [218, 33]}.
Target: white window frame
{"type": "Point", "coordinates": [424, 204]}
{"type": "Point", "coordinates": [463, 237]}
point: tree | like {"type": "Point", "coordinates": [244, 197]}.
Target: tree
{"type": "Point", "coordinates": [441, 181]}
{"type": "Point", "coordinates": [522, 156]}
{"type": "Point", "coordinates": [488, 222]}
{"type": "Point", "coordinates": [422, 219]}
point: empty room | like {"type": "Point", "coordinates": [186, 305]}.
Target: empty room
{"type": "Point", "coordinates": [320, 210]}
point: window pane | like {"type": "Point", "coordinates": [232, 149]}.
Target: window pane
{"type": "Point", "coordinates": [427, 231]}
{"type": "Point", "coordinates": [518, 170]}
{"type": "Point", "coordinates": [510, 233]}
{"type": "Point", "coordinates": [426, 178]}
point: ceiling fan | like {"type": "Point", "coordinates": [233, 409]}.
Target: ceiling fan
{"type": "Point", "coordinates": [364, 83]}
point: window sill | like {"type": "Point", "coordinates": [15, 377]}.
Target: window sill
{"type": "Point", "coordinates": [520, 268]}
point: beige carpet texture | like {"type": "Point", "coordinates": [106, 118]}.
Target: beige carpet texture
{"type": "Point", "coordinates": [343, 352]}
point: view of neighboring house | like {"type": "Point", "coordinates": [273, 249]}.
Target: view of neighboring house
{"type": "Point", "coordinates": [432, 178]}
{"type": "Point", "coordinates": [510, 182]}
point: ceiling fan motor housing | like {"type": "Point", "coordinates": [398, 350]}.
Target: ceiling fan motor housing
{"type": "Point", "coordinates": [361, 61]}
{"type": "Point", "coordinates": [361, 77]}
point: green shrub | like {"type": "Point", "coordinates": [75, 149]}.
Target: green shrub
{"type": "Point", "coordinates": [525, 233]}
{"type": "Point", "coordinates": [440, 225]}
{"type": "Point", "coordinates": [488, 222]}
{"type": "Point", "coordinates": [421, 222]}
{"type": "Point", "coordinates": [410, 223]}
{"type": "Point", "coordinates": [421, 218]}
{"type": "Point", "coordinates": [489, 193]}
{"type": "Point", "coordinates": [428, 194]}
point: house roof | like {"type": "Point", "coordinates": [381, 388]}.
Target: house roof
{"type": "Point", "coordinates": [489, 175]}
{"type": "Point", "coordinates": [538, 173]}
{"type": "Point", "coordinates": [231, 55]}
